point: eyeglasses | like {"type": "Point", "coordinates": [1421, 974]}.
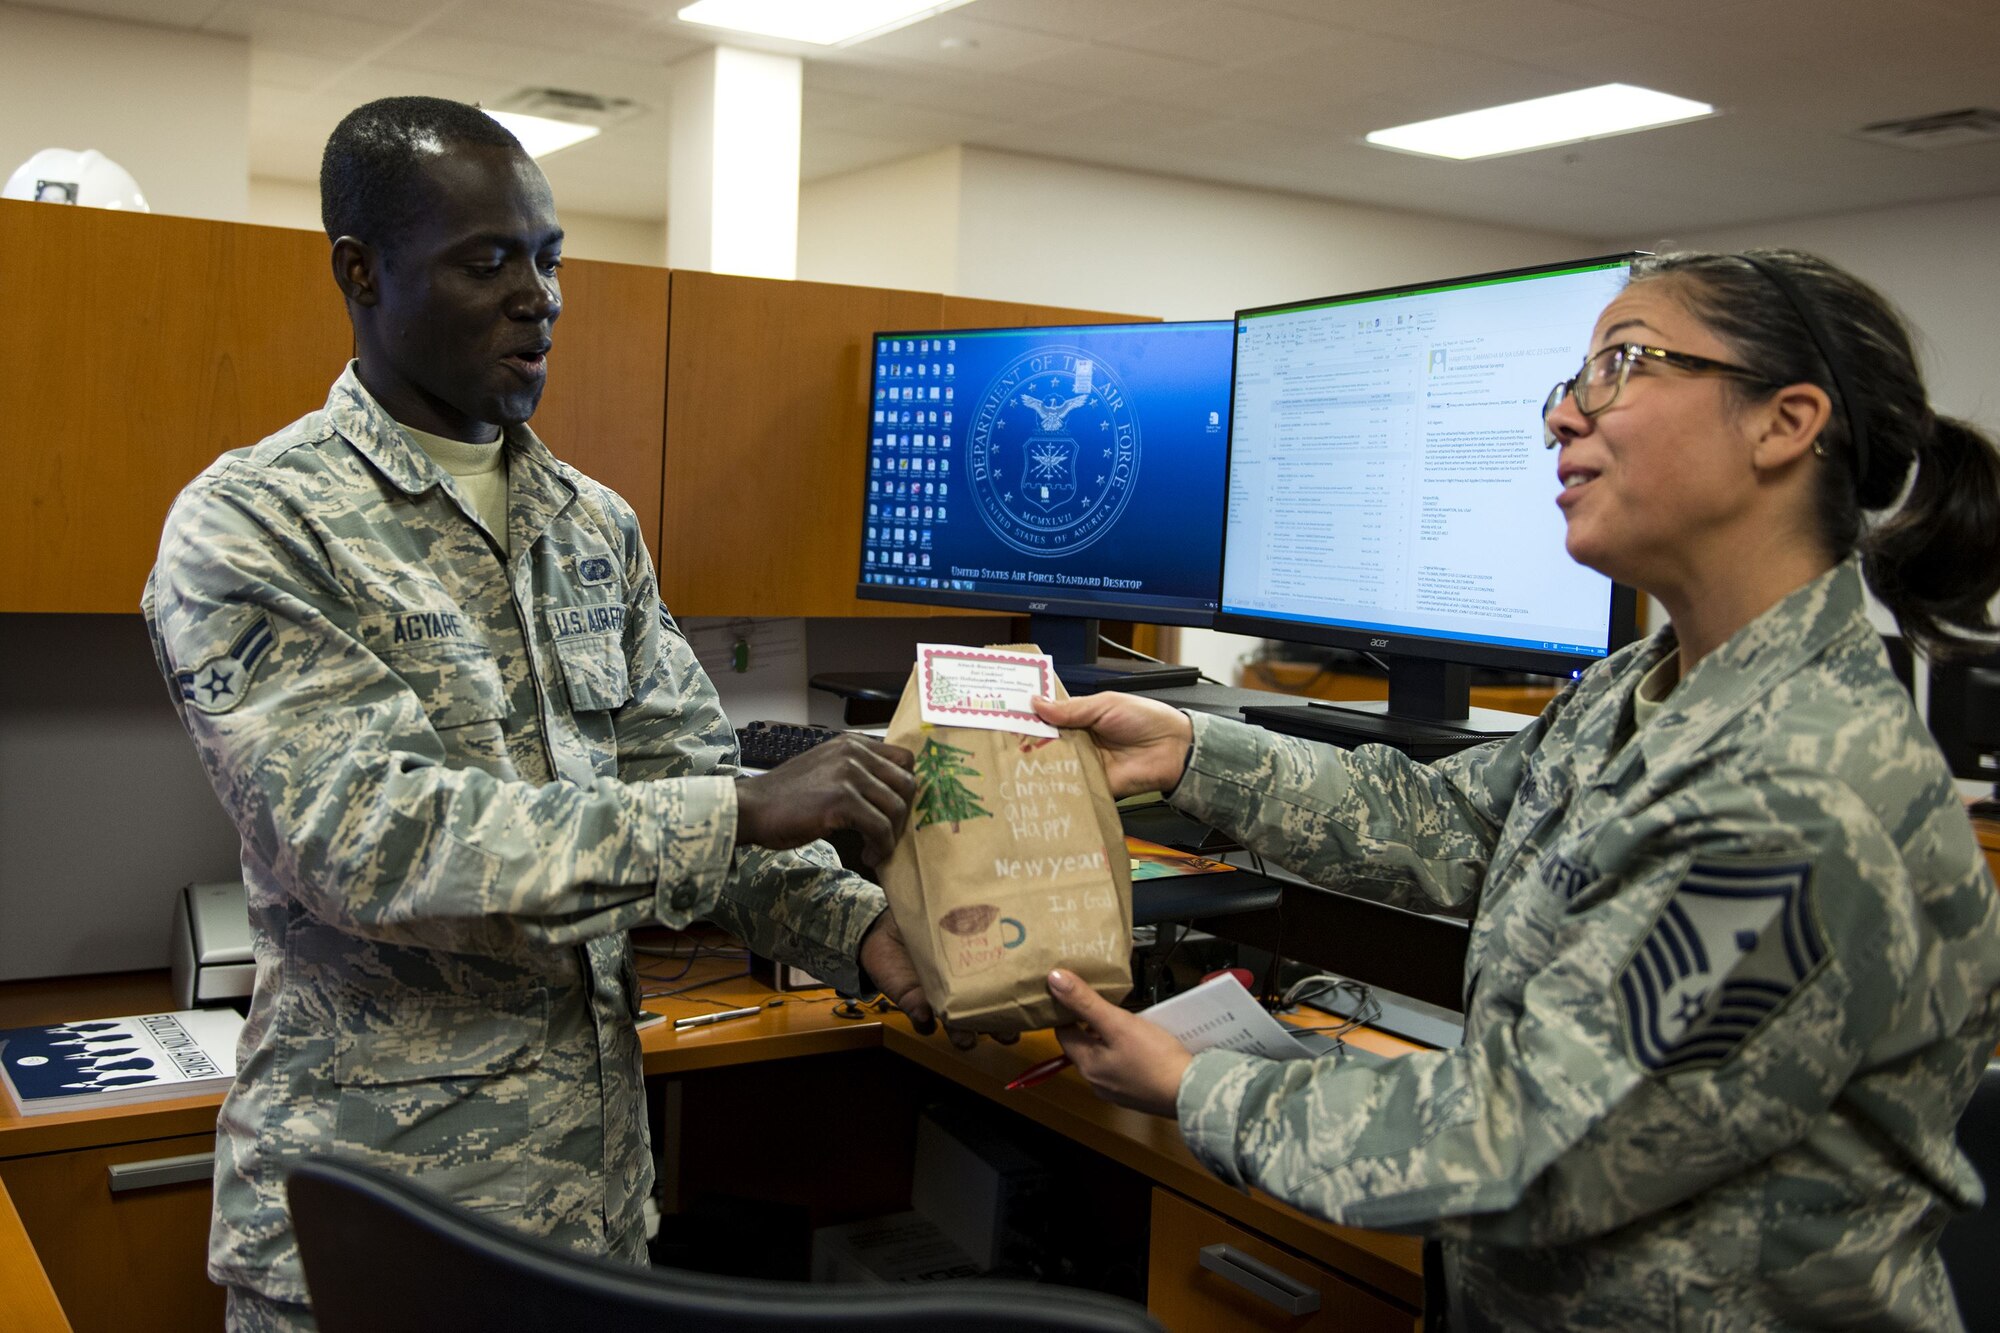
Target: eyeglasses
{"type": "Point", "coordinates": [1351, 1002]}
{"type": "Point", "coordinates": [1601, 378]}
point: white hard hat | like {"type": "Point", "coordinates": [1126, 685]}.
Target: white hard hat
{"type": "Point", "coordinates": [64, 176]}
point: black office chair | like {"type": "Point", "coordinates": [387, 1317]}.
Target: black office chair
{"type": "Point", "coordinates": [385, 1256]}
{"type": "Point", "coordinates": [1969, 1243]}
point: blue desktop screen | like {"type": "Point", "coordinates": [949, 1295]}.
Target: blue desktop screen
{"type": "Point", "coordinates": [1071, 469]}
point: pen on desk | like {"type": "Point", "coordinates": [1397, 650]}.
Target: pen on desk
{"type": "Point", "coordinates": [703, 1020]}
{"type": "Point", "coordinates": [1040, 1073]}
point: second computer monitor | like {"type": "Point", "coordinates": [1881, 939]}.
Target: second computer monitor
{"type": "Point", "coordinates": [1064, 471]}
{"type": "Point", "coordinates": [1388, 488]}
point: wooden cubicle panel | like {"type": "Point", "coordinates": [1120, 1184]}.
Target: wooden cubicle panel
{"type": "Point", "coordinates": [605, 408]}
{"type": "Point", "coordinates": [767, 430]}
{"type": "Point", "coordinates": [149, 346]}
{"type": "Point", "coordinates": [766, 436]}
{"type": "Point", "coordinates": [975, 312]}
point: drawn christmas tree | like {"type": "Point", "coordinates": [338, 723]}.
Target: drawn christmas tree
{"type": "Point", "coordinates": [941, 790]}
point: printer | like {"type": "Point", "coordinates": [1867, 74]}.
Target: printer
{"type": "Point", "coordinates": [211, 945]}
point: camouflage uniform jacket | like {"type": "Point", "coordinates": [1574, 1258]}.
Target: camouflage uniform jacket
{"type": "Point", "coordinates": [459, 777]}
{"type": "Point", "coordinates": [1731, 981]}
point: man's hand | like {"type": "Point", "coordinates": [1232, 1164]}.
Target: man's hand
{"type": "Point", "coordinates": [1123, 1057]}
{"type": "Point", "coordinates": [849, 782]}
{"type": "Point", "coordinates": [1145, 743]}
{"type": "Point", "coordinates": [886, 960]}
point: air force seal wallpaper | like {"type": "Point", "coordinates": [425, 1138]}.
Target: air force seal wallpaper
{"type": "Point", "coordinates": [1082, 464]}
{"type": "Point", "coordinates": [1054, 451]}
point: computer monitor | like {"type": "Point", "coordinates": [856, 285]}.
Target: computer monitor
{"type": "Point", "coordinates": [1066, 473]}
{"type": "Point", "coordinates": [1964, 715]}
{"type": "Point", "coordinates": [1389, 490]}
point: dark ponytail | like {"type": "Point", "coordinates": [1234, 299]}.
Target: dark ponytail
{"type": "Point", "coordinates": [1935, 561]}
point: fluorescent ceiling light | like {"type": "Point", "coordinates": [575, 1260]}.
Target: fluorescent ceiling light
{"type": "Point", "coordinates": [818, 22]}
{"type": "Point", "coordinates": [1588, 113]}
{"type": "Point", "coordinates": [541, 136]}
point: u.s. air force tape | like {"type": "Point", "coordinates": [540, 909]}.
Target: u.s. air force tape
{"type": "Point", "coordinates": [1732, 944]}
{"type": "Point", "coordinates": [221, 682]}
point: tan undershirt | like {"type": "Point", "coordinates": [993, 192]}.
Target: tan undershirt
{"type": "Point", "coordinates": [1654, 688]}
{"type": "Point", "coordinates": [479, 469]}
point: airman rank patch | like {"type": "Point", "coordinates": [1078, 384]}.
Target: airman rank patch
{"type": "Point", "coordinates": [667, 621]}
{"type": "Point", "coordinates": [1733, 942]}
{"type": "Point", "coordinates": [594, 569]}
{"type": "Point", "coordinates": [219, 683]}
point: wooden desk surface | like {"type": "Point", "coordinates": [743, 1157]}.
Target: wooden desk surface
{"type": "Point", "coordinates": [788, 1026]}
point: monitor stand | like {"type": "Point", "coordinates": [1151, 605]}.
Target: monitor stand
{"type": "Point", "coordinates": [1427, 715]}
{"type": "Point", "coordinates": [1072, 643]}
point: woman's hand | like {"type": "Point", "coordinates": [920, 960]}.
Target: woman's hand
{"type": "Point", "coordinates": [1144, 742]}
{"type": "Point", "coordinates": [1123, 1057]}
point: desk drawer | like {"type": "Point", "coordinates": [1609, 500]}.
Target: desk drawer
{"type": "Point", "coordinates": [1205, 1274]}
{"type": "Point", "coordinates": [122, 1252]}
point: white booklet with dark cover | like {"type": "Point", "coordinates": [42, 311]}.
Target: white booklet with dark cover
{"type": "Point", "coordinates": [1220, 1012]}
{"type": "Point", "coordinates": [109, 1061]}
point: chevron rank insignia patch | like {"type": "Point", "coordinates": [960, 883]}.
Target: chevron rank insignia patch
{"type": "Point", "coordinates": [220, 682]}
{"type": "Point", "coordinates": [1732, 944]}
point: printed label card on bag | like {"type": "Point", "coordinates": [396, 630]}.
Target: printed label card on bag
{"type": "Point", "coordinates": [987, 688]}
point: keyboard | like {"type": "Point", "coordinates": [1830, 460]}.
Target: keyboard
{"type": "Point", "coordinates": [1346, 727]}
{"type": "Point", "coordinates": [768, 744]}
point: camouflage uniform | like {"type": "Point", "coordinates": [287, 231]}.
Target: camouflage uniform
{"type": "Point", "coordinates": [1731, 981]}
{"type": "Point", "coordinates": [459, 778]}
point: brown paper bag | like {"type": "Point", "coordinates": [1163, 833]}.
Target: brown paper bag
{"type": "Point", "coordinates": [1012, 862]}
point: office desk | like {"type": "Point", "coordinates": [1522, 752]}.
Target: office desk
{"type": "Point", "coordinates": [54, 1166]}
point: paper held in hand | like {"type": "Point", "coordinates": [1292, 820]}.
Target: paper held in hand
{"type": "Point", "coordinates": [986, 688]}
{"type": "Point", "coordinates": [1220, 1013]}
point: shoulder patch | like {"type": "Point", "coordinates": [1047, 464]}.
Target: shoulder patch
{"type": "Point", "coordinates": [1732, 944]}
{"type": "Point", "coordinates": [221, 682]}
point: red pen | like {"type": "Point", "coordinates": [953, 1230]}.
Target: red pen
{"type": "Point", "coordinates": [1040, 1073]}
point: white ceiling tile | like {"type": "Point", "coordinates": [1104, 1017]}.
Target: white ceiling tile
{"type": "Point", "coordinates": [1226, 34]}
{"type": "Point", "coordinates": [1417, 19]}
{"type": "Point", "coordinates": [163, 13]}
{"type": "Point", "coordinates": [955, 41]}
{"type": "Point", "coordinates": [497, 64]}
{"type": "Point", "coordinates": [1536, 32]}
{"type": "Point", "coordinates": [1004, 100]}
{"type": "Point", "coordinates": [1267, 93]}
{"type": "Point", "coordinates": [275, 27]}
{"type": "Point", "coordinates": [647, 83]}
{"type": "Point", "coordinates": [1094, 19]}
{"type": "Point", "coordinates": [382, 14]}
{"type": "Point", "coordinates": [656, 42]}
{"type": "Point", "coordinates": [367, 82]}
{"type": "Point", "coordinates": [1107, 70]}
{"type": "Point", "coordinates": [578, 27]}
